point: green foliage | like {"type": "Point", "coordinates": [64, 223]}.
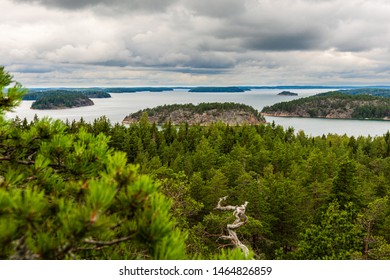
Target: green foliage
{"type": "Point", "coordinates": [235, 254]}
{"type": "Point", "coordinates": [345, 184]}
{"type": "Point", "coordinates": [338, 236]}
{"type": "Point", "coordinates": [100, 191]}
{"type": "Point", "coordinates": [368, 91]}
{"type": "Point", "coordinates": [9, 96]}
{"type": "Point", "coordinates": [70, 196]}
{"type": "Point", "coordinates": [288, 179]}
{"type": "Point", "coordinates": [339, 103]}
{"type": "Point", "coordinates": [90, 93]}
{"type": "Point", "coordinates": [75, 192]}
{"type": "Point", "coordinates": [191, 109]}
{"type": "Point", "coordinates": [61, 99]}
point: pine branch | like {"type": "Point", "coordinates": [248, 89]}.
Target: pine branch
{"type": "Point", "coordinates": [29, 162]}
{"type": "Point", "coordinates": [24, 162]}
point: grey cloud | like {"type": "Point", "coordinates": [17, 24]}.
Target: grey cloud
{"type": "Point", "coordinates": [197, 71]}
{"type": "Point", "coordinates": [316, 25]}
{"type": "Point", "coordinates": [212, 61]}
{"type": "Point", "coordinates": [197, 62]}
{"type": "Point", "coordinates": [30, 68]}
{"type": "Point", "coordinates": [302, 40]}
{"type": "Point", "coordinates": [273, 36]}
{"type": "Point", "coordinates": [112, 63]}
{"type": "Point", "coordinates": [217, 8]}
{"type": "Point", "coordinates": [146, 5]}
{"type": "Point", "coordinates": [244, 38]}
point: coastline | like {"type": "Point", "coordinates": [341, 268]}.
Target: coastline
{"type": "Point", "coordinates": [286, 115]}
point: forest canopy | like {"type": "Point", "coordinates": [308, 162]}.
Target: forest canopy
{"type": "Point", "coordinates": [202, 114]}
{"type": "Point", "coordinates": [335, 104]}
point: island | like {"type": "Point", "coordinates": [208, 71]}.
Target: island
{"type": "Point", "coordinates": [217, 89]}
{"type": "Point", "coordinates": [287, 93]}
{"type": "Point", "coordinates": [383, 92]}
{"type": "Point", "coordinates": [202, 114]}
{"type": "Point", "coordinates": [137, 89]}
{"type": "Point", "coordinates": [35, 94]}
{"type": "Point", "coordinates": [50, 101]}
{"type": "Point", "coordinates": [334, 104]}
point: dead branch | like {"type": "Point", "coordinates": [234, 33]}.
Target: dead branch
{"type": "Point", "coordinates": [108, 243]}
{"type": "Point", "coordinates": [241, 219]}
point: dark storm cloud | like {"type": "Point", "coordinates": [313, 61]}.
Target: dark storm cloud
{"type": "Point", "coordinates": [283, 41]}
{"type": "Point", "coordinates": [146, 5]}
{"type": "Point", "coordinates": [308, 25]}
{"type": "Point", "coordinates": [259, 37]}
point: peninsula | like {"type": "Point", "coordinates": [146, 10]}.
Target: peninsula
{"type": "Point", "coordinates": [336, 104]}
{"type": "Point", "coordinates": [202, 114]}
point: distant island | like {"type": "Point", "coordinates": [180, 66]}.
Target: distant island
{"type": "Point", "coordinates": [383, 92]}
{"type": "Point", "coordinates": [137, 89]}
{"type": "Point", "coordinates": [217, 89]}
{"type": "Point", "coordinates": [202, 114]}
{"type": "Point", "coordinates": [55, 100]}
{"type": "Point", "coordinates": [287, 93]}
{"type": "Point", "coordinates": [291, 87]}
{"type": "Point", "coordinates": [35, 94]}
{"type": "Point", "coordinates": [334, 104]}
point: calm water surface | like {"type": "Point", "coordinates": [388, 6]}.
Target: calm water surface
{"type": "Point", "coordinates": [122, 104]}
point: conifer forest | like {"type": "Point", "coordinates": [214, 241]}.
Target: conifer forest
{"type": "Point", "coordinates": [79, 190]}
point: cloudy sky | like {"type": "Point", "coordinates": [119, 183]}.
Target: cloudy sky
{"type": "Point", "coordinates": [195, 42]}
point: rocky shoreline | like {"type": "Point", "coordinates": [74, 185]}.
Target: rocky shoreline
{"type": "Point", "coordinates": [333, 105]}
{"type": "Point", "coordinates": [178, 114]}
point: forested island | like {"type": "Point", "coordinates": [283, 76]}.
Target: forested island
{"type": "Point", "coordinates": [336, 104]}
{"type": "Point", "coordinates": [384, 92]}
{"type": "Point", "coordinates": [98, 191]}
{"type": "Point", "coordinates": [137, 89]}
{"type": "Point", "coordinates": [34, 94]}
{"type": "Point", "coordinates": [217, 89]}
{"type": "Point", "coordinates": [96, 92]}
{"type": "Point", "coordinates": [48, 99]}
{"type": "Point", "coordinates": [287, 93]}
{"type": "Point", "coordinates": [60, 100]}
{"type": "Point", "coordinates": [201, 114]}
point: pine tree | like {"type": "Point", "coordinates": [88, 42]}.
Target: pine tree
{"type": "Point", "coordinates": [345, 184]}
{"type": "Point", "coordinates": [9, 96]}
{"type": "Point", "coordinates": [70, 196]}
{"type": "Point", "coordinates": [338, 236]}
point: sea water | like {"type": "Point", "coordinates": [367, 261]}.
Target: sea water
{"type": "Point", "coordinates": [122, 104]}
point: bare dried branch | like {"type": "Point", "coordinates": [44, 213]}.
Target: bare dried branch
{"type": "Point", "coordinates": [108, 243]}
{"type": "Point", "coordinates": [241, 219]}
